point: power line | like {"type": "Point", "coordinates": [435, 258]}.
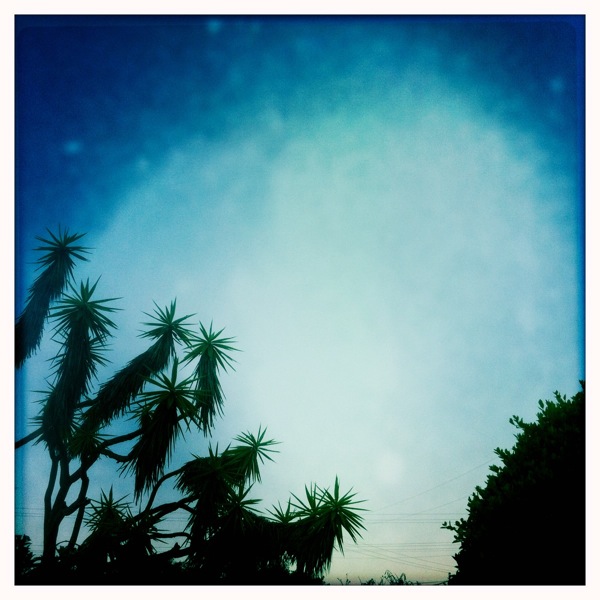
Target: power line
{"type": "Point", "coordinates": [435, 487]}
{"type": "Point", "coordinates": [401, 559]}
{"type": "Point", "coordinates": [385, 552]}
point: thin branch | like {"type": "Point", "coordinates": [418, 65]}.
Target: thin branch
{"type": "Point", "coordinates": [79, 505]}
{"type": "Point", "coordinates": [81, 501]}
{"type": "Point", "coordinates": [86, 403]}
{"type": "Point", "coordinates": [65, 478]}
{"type": "Point", "coordinates": [175, 552]}
{"type": "Point", "coordinates": [157, 485]}
{"type": "Point", "coordinates": [50, 487]}
{"type": "Point", "coordinates": [121, 438]}
{"type": "Point", "coordinates": [48, 553]}
{"type": "Point", "coordinates": [170, 507]}
{"type": "Point", "coordinates": [103, 449]}
{"type": "Point", "coordinates": [29, 438]}
{"type": "Point", "coordinates": [81, 472]}
{"type": "Point", "coordinates": [115, 456]}
{"type": "Point", "coordinates": [174, 534]}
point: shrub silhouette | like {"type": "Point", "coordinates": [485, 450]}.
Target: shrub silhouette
{"type": "Point", "coordinates": [527, 525]}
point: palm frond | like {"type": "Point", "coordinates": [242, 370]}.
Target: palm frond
{"type": "Point", "coordinates": [250, 452]}
{"type": "Point", "coordinates": [58, 261]}
{"type": "Point", "coordinates": [210, 480]}
{"type": "Point", "coordinates": [164, 324]}
{"type": "Point", "coordinates": [108, 515]}
{"type": "Point", "coordinates": [153, 448]}
{"type": "Point", "coordinates": [322, 520]}
{"type": "Point", "coordinates": [85, 441]}
{"type": "Point", "coordinates": [167, 389]}
{"type": "Point", "coordinates": [283, 516]}
{"type": "Point", "coordinates": [340, 512]}
{"type": "Point", "coordinates": [212, 350]}
{"type": "Point", "coordinates": [115, 395]}
{"type": "Point", "coordinates": [210, 342]}
{"type": "Point", "coordinates": [237, 513]}
{"type": "Point", "coordinates": [83, 326]}
{"type": "Point", "coordinates": [313, 502]}
{"type": "Point", "coordinates": [160, 414]}
{"type": "Point", "coordinates": [116, 530]}
{"type": "Point", "coordinates": [78, 307]}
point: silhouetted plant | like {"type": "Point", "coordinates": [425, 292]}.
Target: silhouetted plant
{"type": "Point", "coordinates": [226, 539]}
{"type": "Point", "coordinates": [388, 578]}
{"type": "Point", "coordinates": [527, 525]}
{"type": "Point", "coordinates": [24, 559]}
{"type": "Point", "coordinates": [57, 261]}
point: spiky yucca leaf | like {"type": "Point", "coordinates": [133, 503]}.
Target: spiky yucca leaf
{"type": "Point", "coordinates": [115, 395]}
{"type": "Point", "coordinates": [163, 408]}
{"type": "Point", "coordinates": [209, 479]}
{"type": "Point", "coordinates": [74, 369]}
{"type": "Point", "coordinates": [164, 324]}
{"type": "Point", "coordinates": [107, 520]}
{"type": "Point", "coordinates": [322, 520]}
{"type": "Point", "coordinates": [85, 441]}
{"type": "Point", "coordinates": [212, 350]}
{"type": "Point", "coordinates": [283, 516]}
{"type": "Point", "coordinates": [107, 515]}
{"type": "Point", "coordinates": [58, 261]}
{"type": "Point", "coordinates": [339, 514]}
{"type": "Point", "coordinates": [238, 514]}
{"type": "Point", "coordinates": [314, 496]}
{"type": "Point", "coordinates": [248, 454]}
{"type": "Point", "coordinates": [154, 446]}
{"type": "Point", "coordinates": [78, 308]}
{"type": "Point", "coordinates": [116, 533]}
{"type": "Point", "coordinates": [83, 325]}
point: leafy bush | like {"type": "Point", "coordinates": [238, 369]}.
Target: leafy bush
{"type": "Point", "coordinates": [527, 525]}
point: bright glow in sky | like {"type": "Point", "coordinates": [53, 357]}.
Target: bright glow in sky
{"type": "Point", "coordinates": [392, 235]}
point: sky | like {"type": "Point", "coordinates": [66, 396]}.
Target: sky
{"type": "Point", "coordinates": [387, 213]}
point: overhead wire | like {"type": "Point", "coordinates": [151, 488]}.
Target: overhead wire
{"type": "Point", "coordinates": [392, 552]}
{"type": "Point", "coordinates": [435, 487]}
{"type": "Point", "coordinates": [386, 551]}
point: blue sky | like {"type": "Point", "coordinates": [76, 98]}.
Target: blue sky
{"type": "Point", "coordinates": [387, 214]}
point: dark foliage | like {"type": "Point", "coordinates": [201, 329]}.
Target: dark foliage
{"type": "Point", "coordinates": [527, 525]}
{"type": "Point", "coordinates": [157, 570]}
{"type": "Point", "coordinates": [226, 540]}
{"type": "Point", "coordinates": [388, 578]}
{"type": "Point", "coordinates": [24, 559]}
{"type": "Point", "coordinates": [57, 261]}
